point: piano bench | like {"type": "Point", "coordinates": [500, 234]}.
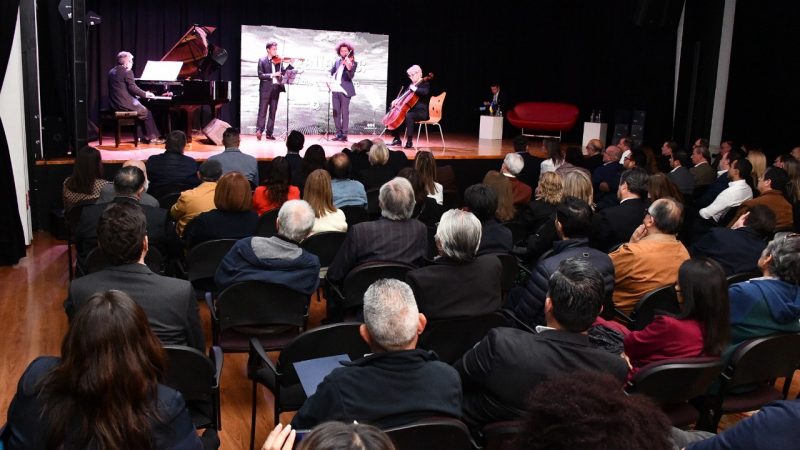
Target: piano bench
{"type": "Point", "coordinates": [119, 119]}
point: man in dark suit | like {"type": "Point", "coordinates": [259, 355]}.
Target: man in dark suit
{"type": "Point", "coordinates": [605, 179]}
{"type": "Point", "coordinates": [458, 284]}
{"type": "Point", "coordinates": [702, 171]}
{"type": "Point", "coordinates": [294, 143]}
{"type": "Point", "coordinates": [269, 89]}
{"type": "Point", "coordinates": [121, 92]}
{"type": "Point", "coordinates": [594, 155]}
{"type": "Point", "coordinates": [680, 174]}
{"type": "Point", "coordinates": [172, 171]}
{"type": "Point", "coordinates": [481, 200]}
{"type": "Point", "coordinates": [128, 186]}
{"type": "Point", "coordinates": [616, 224]}
{"type": "Point", "coordinates": [502, 369]}
{"type": "Point", "coordinates": [422, 89]}
{"type": "Point", "coordinates": [169, 303]}
{"type": "Point", "coordinates": [343, 71]}
{"type": "Point", "coordinates": [497, 103]}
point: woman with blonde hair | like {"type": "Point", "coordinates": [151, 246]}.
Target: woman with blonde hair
{"type": "Point", "coordinates": [379, 171]}
{"type": "Point", "coordinates": [577, 184]}
{"type": "Point", "coordinates": [759, 162]}
{"type": "Point", "coordinates": [505, 199]}
{"type": "Point", "coordinates": [425, 164]}
{"type": "Point", "coordinates": [319, 195]}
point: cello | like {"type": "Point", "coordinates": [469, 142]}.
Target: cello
{"type": "Point", "coordinates": [397, 115]}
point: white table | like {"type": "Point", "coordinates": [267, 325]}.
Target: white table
{"type": "Point", "coordinates": [491, 127]}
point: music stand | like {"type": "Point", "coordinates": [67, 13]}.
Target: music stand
{"type": "Point", "coordinates": [287, 79]}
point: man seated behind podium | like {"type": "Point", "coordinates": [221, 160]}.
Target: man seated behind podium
{"type": "Point", "coordinates": [122, 93]}
{"type": "Point", "coordinates": [233, 160]}
{"type": "Point", "coordinates": [397, 383]}
{"type": "Point", "coordinates": [169, 303]}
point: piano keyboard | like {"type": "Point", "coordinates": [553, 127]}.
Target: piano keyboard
{"type": "Point", "coordinates": [161, 97]}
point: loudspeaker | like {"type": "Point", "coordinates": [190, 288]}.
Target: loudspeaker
{"type": "Point", "coordinates": [657, 13]}
{"type": "Point", "coordinates": [80, 87]}
{"type": "Point", "coordinates": [620, 131]}
{"type": "Point", "coordinates": [214, 130]}
{"type": "Point", "coordinates": [638, 118]}
{"type": "Point", "coordinates": [54, 137]}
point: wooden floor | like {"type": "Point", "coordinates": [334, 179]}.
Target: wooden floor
{"type": "Point", "coordinates": [457, 146]}
{"type": "Point", "coordinates": [31, 295]}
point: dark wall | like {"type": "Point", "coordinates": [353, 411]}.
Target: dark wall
{"type": "Point", "coordinates": [587, 53]}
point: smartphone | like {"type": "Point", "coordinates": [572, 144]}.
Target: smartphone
{"type": "Point", "coordinates": [299, 435]}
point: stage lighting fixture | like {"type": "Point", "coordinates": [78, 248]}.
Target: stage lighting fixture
{"type": "Point", "coordinates": [65, 9]}
{"type": "Point", "coordinates": [92, 18]}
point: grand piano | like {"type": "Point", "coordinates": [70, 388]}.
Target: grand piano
{"type": "Point", "coordinates": [192, 90]}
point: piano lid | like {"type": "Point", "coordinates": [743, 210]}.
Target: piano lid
{"type": "Point", "coordinates": [198, 56]}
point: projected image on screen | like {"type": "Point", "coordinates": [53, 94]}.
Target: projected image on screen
{"type": "Point", "coordinates": [308, 97]}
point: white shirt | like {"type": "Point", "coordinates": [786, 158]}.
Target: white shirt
{"type": "Point", "coordinates": [438, 193]}
{"type": "Point", "coordinates": [548, 165]}
{"type": "Point", "coordinates": [736, 193]}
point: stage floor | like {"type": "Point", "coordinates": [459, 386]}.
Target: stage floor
{"type": "Point", "coordinates": [457, 146]}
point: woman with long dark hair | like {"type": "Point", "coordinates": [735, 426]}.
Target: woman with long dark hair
{"type": "Point", "coordinates": [313, 159]}
{"type": "Point", "coordinates": [86, 181]}
{"type": "Point", "coordinates": [275, 190]}
{"type": "Point", "coordinates": [425, 165]}
{"type": "Point", "coordinates": [701, 329]}
{"type": "Point", "coordinates": [104, 392]}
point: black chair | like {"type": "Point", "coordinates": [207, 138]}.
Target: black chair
{"type": "Point", "coordinates": [266, 223]}
{"type": "Point", "coordinates": [196, 376]}
{"type": "Point", "coordinates": [519, 231]}
{"type": "Point", "coordinates": [281, 378]}
{"type": "Point", "coordinates": [202, 262]}
{"type": "Point", "coordinates": [96, 260]}
{"type": "Point", "coordinates": [168, 201]}
{"type": "Point", "coordinates": [747, 382]}
{"type": "Point", "coordinates": [658, 301]}
{"type": "Point", "coordinates": [71, 220]}
{"type": "Point", "coordinates": [434, 433]}
{"type": "Point", "coordinates": [355, 215]}
{"type": "Point", "coordinates": [743, 276]}
{"type": "Point", "coordinates": [616, 246]}
{"type": "Point", "coordinates": [373, 206]}
{"type": "Point", "coordinates": [508, 277]}
{"type": "Point", "coordinates": [451, 338]}
{"type": "Point", "coordinates": [350, 297]}
{"type": "Point", "coordinates": [501, 435]}
{"type": "Point", "coordinates": [325, 245]}
{"type": "Point", "coordinates": [273, 313]}
{"type": "Point", "coordinates": [672, 383]}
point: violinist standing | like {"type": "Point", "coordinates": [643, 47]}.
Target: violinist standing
{"type": "Point", "coordinates": [270, 72]}
{"type": "Point", "coordinates": [419, 112]}
{"type": "Point", "coordinates": [343, 71]}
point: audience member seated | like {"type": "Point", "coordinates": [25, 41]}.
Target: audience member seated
{"type": "Point", "coordinates": [594, 155]}
{"type": "Point", "coordinates": [233, 160]}
{"type": "Point", "coordinates": [665, 160]}
{"type": "Point", "coordinates": [458, 283]}
{"type": "Point", "coordinates": [394, 237]}
{"type": "Point", "coordinates": [605, 179]}
{"type": "Point", "coordinates": [395, 385]}
{"type": "Point", "coordinates": [555, 158]}
{"type": "Point", "coordinates": [275, 189]}
{"type": "Point", "coordinates": [772, 187]}
{"type": "Point", "coordinates": [616, 224]}
{"type": "Point", "coordinates": [425, 165]}
{"type": "Point", "coordinates": [501, 186]}
{"type": "Point", "coordinates": [660, 186]}
{"type": "Point", "coordinates": [701, 329]}
{"type": "Point", "coordinates": [294, 143]}
{"type": "Point", "coordinates": [480, 200]}
{"type": "Point", "coordinates": [128, 186]}
{"type": "Point", "coordinates": [318, 195]}
{"type": "Point", "coordinates": [781, 159]}
{"type": "Point", "coordinates": [500, 371]}
{"type": "Point", "coordinates": [346, 191]}
{"type": "Point", "coordinates": [379, 171]}
{"type": "Point", "coordinates": [313, 159]}
{"type": "Point", "coordinates": [86, 182]}
{"type": "Point", "coordinates": [680, 174]}
{"type": "Point", "coordinates": [578, 185]}
{"type": "Point", "coordinates": [652, 256]}
{"type": "Point", "coordinates": [702, 171]}
{"type": "Point", "coordinates": [278, 259]}
{"type": "Point", "coordinates": [573, 219]}
{"type": "Point", "coordinates": [588, 410]}
{"type": "Point", "coordinates": [196, 201]}
{"type": "Point", "coordinates": [232, 217]}
{"type": "Point", "coordinates": [330, 436]}
{"type": "Point", "coordinates": [737, 192]}
{"type": "Point", "coordinates": [721, 182]}
{"type": "Point", "coordinates": [426, 209]}
{"type": "Point", "coordinates": [724, 148]}
{"type": "Point", "coordinates": [172, 171]}
{"type": "Point", "coordinates": [770, 304]}
{"type": "Point", "coordinates": [759, 161]}
{"type": "Point", "coordinates": [358, 154]}
{"type": "Point", "coordinates": [532, 159]}
{"type": "Point", "coordinates": [633, 159]}
{"type": "Point", "coordinates": [573, 160]}
{"type": "Point", "coordinates": [104, 391]}
{"type": "Point", "coordinates": [737, 249]}
{"type": "Point", "coordinates": [539, 216]}
{"type": "Point", "coordinates": [107, 194]}
{"type": "Point", "coordinates": [512, 166]}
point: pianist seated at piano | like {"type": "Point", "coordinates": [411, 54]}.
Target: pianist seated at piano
{"type": "Point", "coordinates": [124, 94]}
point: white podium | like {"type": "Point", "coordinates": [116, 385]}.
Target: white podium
{"type": "Point", "coordinates": [491, 127]}
{"type": "Point", "coordinates": [594, 130]}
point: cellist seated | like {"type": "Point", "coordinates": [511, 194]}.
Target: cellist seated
{"type": "Point", "coordinates": [410, 107]}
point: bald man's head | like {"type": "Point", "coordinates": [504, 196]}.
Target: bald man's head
{"type": "Point", "coordinates": [667, 215]}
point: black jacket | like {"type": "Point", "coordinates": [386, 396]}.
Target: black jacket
{"type": "Point", "coordinates": [218, 224]}
{"type": "Point", "coordinates": [617, 223]}
{"type": "Point", "coordinates": [495, 238]}
{"type": "Point", "coordinates": [736, 250]}
{"type": "Point", "coordinates": [170, 172]}
{"type": "Point", "coordinates": [122, 88]}
{"type": "Point", "coordinates": [527, 302]}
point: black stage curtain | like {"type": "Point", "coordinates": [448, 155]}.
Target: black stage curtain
{"type": "Point", "coordinates": [587, 53]}
{"type": "Point", "coordinates": [12, 238]}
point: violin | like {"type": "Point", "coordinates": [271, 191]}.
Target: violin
{"type": "Point", "coordinates": [277, 59]}
{"type": "Point", "coordinates": [397, 115]}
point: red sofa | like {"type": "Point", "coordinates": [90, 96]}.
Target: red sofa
{"type": "Point", "coordinates": [543, 116]}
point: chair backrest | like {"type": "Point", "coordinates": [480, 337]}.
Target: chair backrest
{"type": "Point", "coordinates": [326, 340]}
{"type": "Point", "coordinates": [451, 338]}
{"type": "Point", "coordinates": [373, 206]}
{"type": "Point", "coordinates": [324, 245]}
{"type": "Point", "coordinates": [510, 271]}
{"type": "Point", "coordinates": [354, 215]}
{"type": "Point", "coordinates": [742, 276]}
{"type": "Point", "coordinates": [190, 372]}
{"type": "Point", "coordinates": [256, 305]}
{"type": "Point", "coordinates": [73, 216]}
{"type": "Point", "coordinates": [676, 380]}
{"type": "Point", "coordinates": [168, 200]}
{"type": "Point", "coordinates": [203, 260]}
{"type": "Point", "coordinates": [762, 359]}
{"type": "Point", "coordinates": [663, 299]}
{"type": "Point", "coordinates": [432, 434]}
{"type": "Point", "coordinates": [435, 107]}
{"type": "Point", "coordinates": [502, 435]}
{"type": "Point", "coordinates": [519, 231]}
{"type": "Point", "coordinates": [362, 276]}
{"type": "Point", "coordinates": [96, 260]}
{"type": "Point", "coordinates": [266, 223]}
